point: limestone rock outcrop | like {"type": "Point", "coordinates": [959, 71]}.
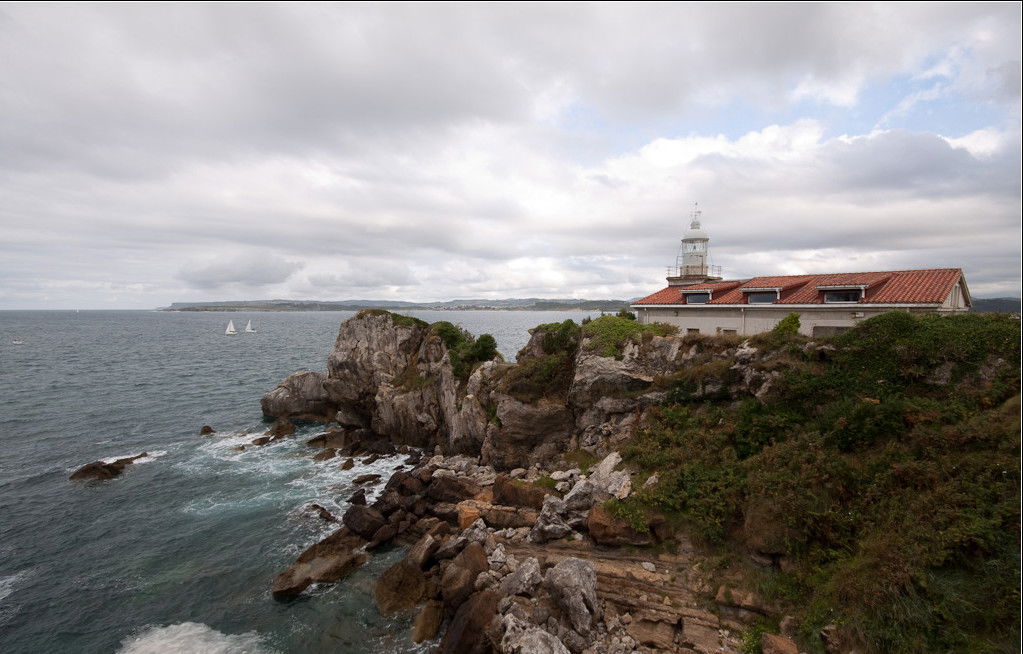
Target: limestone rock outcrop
{"type": "Point", "coordinates": [103, 470]}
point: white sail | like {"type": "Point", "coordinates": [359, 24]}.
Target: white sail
{"type": "Point", "coordinates": [249, 329]}
{"type": "Point", "coordinates": [230, 328]}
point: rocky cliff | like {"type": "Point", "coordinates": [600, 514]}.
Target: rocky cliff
{"type": "Point", "coordinates": [853, 478]}
{"type": "Point", "coordinates": [394, 376]}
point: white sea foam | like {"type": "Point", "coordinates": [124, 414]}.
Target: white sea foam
{"type": "Point", "coordinates": [190, 638]}
{"type": "Point", "coordinates": [10, 582]}
{"type": "Point", "coordinates": [149, 458]}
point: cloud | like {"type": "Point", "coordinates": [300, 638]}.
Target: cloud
{"type": "Point", "coordinates": [330, 151]}
{"type": "Point", "coordinates": [252, 269]}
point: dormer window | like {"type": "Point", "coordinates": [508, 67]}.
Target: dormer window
{"type": "Point", "coordinates": [762, 297]}
{"type": "Point", "coordinates": [697, 298]}
{"type": "Point", "coordinates": [842, 296]}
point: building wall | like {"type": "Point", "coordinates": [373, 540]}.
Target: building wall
{"type": "Point", "coordinates": [754, 320]}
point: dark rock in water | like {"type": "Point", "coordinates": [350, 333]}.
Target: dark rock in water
{"type": "Point", "coordinates": [358, 497]}
{"type": "Point", "coordinates": [330, 560]}
{"type": "Point", "coordinates": [348, 464]}
{"type": "Point", "coordinates": [281, 427]}
{"type": "Point", "coordinates": [322, 513]}
{"type": "Point", "coordinates": [101, 470]}
{"type": "Point", "coordinates": [262, 440]}
{"type": "Point", "coordinates": [207, 430]}
{"type": "Point", "coordinates": [383, 535]}
{"type": "Point", "coordinates": [428, 622]}
{"type": "Point", "coordinates": [466, 633]}
{"type": "Point", "coordinates": [459, 579]}
{"type": "Point", "coordinates": [413, 459]}
{"type": "Point", "coordinates": [328, 453]}
{"type": "Point", "coordinates": [238, 448]}
{"type": "Point", "coordinates": [366, 479]}
{"type": "Point", "coordinates": [371, 459]}
{"type": "Point", "coordinates": [335, 438]}
{"type": "Point", "coordinates": [399, 588]}
{"type": "Point", "coordinates": [363, 520]}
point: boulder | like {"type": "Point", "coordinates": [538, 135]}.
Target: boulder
{"type": "Point", "coordinates": [358, 497]}
{"type": "Point", "coordinates": [524, 638]}
{"type": "Point", "coordinates": [399, 588]}
{"type": "Point", "coordinates": [458, 580]}
{"type": "Point", "coordinates": [322, 513]}
{"type": "Point", "coordinates": [428, 622]}
{"type": "Point", "coordinates": [329, 560]}
{"type": "Point", "coordinates": [524, 580]}
{"type": "Point", "coordinates": [448, 488]}
{"type": "Point", "coordinates": [775, 644]}
{"type": "Point", "coordinates": [573, 585]}
{"type": "Point", "coordinates": [102, 470]}
{"type": "Point", "coordinates": [261, 441]}
{"type": "Point", "coordinates": [504, 517]}
{"type": "Point", "coordinates": [420, 554]}
{"type": "Point", "coordinates": [515, 493]}
{"type": "Point", "coordinates": [300, 395]}
{"type": "Point", "coordinates": [656, 634]}
{"type": "Point", "coordinates": [281, 427]}
{"type": "Point", "coordinates": [327, 453]}
{"type": "Point", "coordinates": [366, 479]}
{"type": "Point", "coordinates": [348, 464]}
{"type": "Point", "coordinates": [549, 524]}
{"type": "Point", "coordinates": [608, 530]}
{"type": "Point", "coordinates": [206, 430]}
{"type": "Point", "coordinates": [363, 520]}
{"type": "Point", "coordinates": [335, 438]}
{"type": "Point", "coordinates": [467, 632]}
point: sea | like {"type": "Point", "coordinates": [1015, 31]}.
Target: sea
{"type": "Point", "coordinates": [177, 554]}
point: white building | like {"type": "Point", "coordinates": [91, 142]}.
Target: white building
{"type": "Point", "coordinates": [697, 300]}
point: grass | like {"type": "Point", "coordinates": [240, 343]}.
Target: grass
{"type": "Point", "coordinates": [550, 374]}
{"type": "Point", "coordinates": [894, 497]}
{"type": "Point", "coordinates": [609, 334]}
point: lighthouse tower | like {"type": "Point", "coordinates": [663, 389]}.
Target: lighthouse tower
{"type": "Point", "coordinates": [692, 265]}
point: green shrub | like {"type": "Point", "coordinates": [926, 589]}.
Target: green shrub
{"type": "Point", "coordinates": [893, 491]}
{"type": "Point", "coordinates": [625, 313]}
{"type": "Point", "coordinates": [464, 352]}
{"type": "Point", "coordinates": [787, 326]}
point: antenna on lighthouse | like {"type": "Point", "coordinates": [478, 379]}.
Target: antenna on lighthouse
{"type": "Point", "coordinates": [695, 217]}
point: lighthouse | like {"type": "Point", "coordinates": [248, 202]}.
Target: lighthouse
{"type": "Point", "coordinates": [692, 264]}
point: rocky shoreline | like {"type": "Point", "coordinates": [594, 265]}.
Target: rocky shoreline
{"type": "Point", "coordinates": [510, 543]}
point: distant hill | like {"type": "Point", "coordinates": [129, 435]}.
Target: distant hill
{"type": "Point", "coordinates": [996, 305]}
{"type": "Point", "coordinates": [513, 304]}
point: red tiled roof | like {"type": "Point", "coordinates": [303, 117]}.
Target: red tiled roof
{"type": "Point", "coordinates": [887, 287]}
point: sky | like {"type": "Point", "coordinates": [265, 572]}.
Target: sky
{"type": "Point", "coordinates": [155, 153]}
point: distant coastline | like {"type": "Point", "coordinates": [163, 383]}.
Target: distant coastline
{"type": "Point", "coordinates": [519, 304]}
{"type": "Point", "coordinates": [980, 305]}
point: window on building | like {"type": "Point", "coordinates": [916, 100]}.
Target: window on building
{"type": "Point", "coordinates": [842, 296]}
{"type": "Point", "coordinates": [697, 298]}
{"type": "Point", "coordinates": [692, 330]}
{"type": "Point", "coordinates": [761, 298]}
{"type": "Point", "coordinates": [728, 331]}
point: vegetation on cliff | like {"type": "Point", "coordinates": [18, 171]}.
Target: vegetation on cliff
{"type": "Point", "coordinates": [880, 472]}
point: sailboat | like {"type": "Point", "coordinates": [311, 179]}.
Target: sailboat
{"type": "Point", "coordinates": [249, 329]}
{"type": "Point", "coordinates": [230, 331]}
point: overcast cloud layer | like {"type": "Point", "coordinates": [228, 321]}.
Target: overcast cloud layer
{"type": "Point", "coordinates": [160, 153]}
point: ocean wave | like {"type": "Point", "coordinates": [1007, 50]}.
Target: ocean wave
{"type": "Point", "coordinates": [10, 582]}
{"type": "Point", "coordinates": [149, 458]}
{"type": "Point", "coordinates": [191, 637]}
